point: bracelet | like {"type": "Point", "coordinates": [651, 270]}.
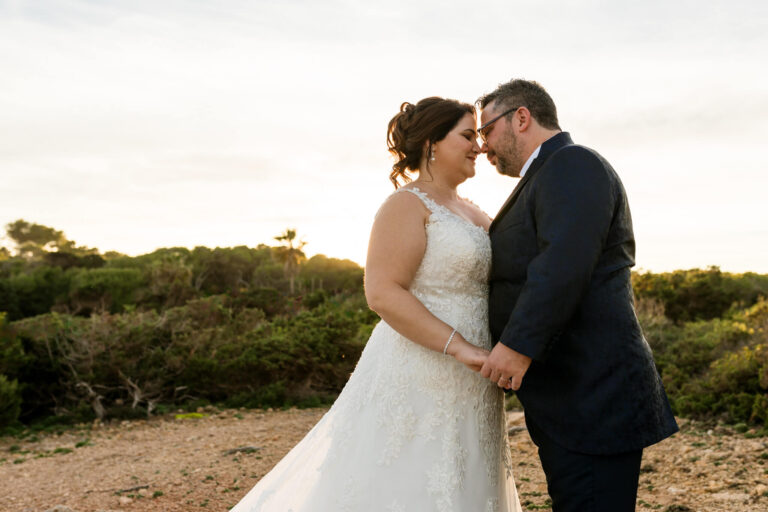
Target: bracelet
{"type": "Point", "coordinates": [450, 338]}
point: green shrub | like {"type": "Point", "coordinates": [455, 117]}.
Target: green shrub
{"type": "Point", "coordinates": [9, 302]}
{"type": "Point", "coordinates": [179, 327]}
{"type": "Point", "coordinates": [314, 299]}
{"type": "Point", "coordinates": [104, 289]}
{"type": "Point", "coordinates": [269, 395]}
{"type": "Point", "coordinates": [116, 336]}
{"type": "Point", "coordinates": [10, 401]}
{"type": "Point", "coordinates": [759, 413]}
{"type": "Point", "coordinates": [739, 371]}
{"type": "Point", "coordinates": [696, 294]}
{"type": "Point", "coordinates": [67, 260]}
{"type": "Point", "coordinates": [230, 270]}
{"type": "Point", "coordinates": [124, 365]}
{"type": "Point", "coordinates": [731, 389]}
{"type": "Point", "coordinates": [331, 274]}
{"type": "Point", "coordinates": [37, 289]}
{"type": "Point", "coordinates": [269, 300]}
{"type": "Point", "coordinates": [11, 350]}
{"type": "Point", "coordinates": [682, 352]}
{"type": "Point", "coordinates": [714, 368]}
{"type": "Point", "coordinates": [169, 284]}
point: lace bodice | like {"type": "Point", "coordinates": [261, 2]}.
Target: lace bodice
{"type": "Point", "coordinates": [452, 279]}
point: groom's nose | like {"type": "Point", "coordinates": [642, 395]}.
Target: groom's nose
{"type": "Point", "coordinates": [484, 148]}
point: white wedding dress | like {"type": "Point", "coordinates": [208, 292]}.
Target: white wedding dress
{"type": "Point", "coordinates": [413, 430]}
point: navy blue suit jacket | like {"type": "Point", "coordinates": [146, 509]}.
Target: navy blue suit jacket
{"type": "Point", "coordinates": [560, 292]}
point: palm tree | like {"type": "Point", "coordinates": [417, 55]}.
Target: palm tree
{"type": "Point", "coordinates": [291, 255]}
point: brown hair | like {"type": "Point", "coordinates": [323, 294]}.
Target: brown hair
{"type": "Point", "coordinates": [429, 120]}
{"type": "Point", "coordinates": [524, 93]}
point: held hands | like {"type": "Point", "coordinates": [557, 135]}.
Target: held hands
{"type": "Point", "coordinates": [505, 367]}
{"type": "Point", "coordinates": [466, 353]}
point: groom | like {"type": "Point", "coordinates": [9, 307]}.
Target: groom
{"type": "Point", "coordinates": [561, 307]}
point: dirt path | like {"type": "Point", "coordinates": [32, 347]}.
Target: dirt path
{"type": "Point", "coordinates": [169, 464]}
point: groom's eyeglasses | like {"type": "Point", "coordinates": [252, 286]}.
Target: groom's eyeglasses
{"type": "Point", "coordinates": [483, 130]}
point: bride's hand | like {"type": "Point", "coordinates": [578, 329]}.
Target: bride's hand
{"type": "Point", "coordinates": [466, 353]}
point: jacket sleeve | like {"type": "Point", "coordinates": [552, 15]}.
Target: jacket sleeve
{"type": "Point", "coordinates": [573, 202]}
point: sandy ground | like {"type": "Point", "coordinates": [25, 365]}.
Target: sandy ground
{"type": "Point", "coordinates": [170, 464]}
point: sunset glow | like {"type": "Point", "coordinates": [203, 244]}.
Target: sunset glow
{"type": "Point", "coordinates": [137, 125]}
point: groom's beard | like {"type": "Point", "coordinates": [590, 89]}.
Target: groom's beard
{"type": "Point", "coordinates": [509, 161]}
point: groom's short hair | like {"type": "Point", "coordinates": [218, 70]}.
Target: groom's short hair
{"type": "Point", "coordinates": [524, 93]}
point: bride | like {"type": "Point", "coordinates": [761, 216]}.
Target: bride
{"type": "Point", "coordinates": [416, 428]}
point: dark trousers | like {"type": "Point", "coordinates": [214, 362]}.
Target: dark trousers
{"type": "Point", "coordinates": [579, 482]}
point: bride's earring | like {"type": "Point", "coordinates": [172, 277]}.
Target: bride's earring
{"type": "Point", "coordinates": [432, 156]}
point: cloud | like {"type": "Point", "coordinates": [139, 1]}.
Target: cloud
{"type": "Point", "coordinates": [225, 122]}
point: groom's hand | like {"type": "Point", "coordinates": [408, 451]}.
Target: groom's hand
{"type": "Point", "coordinates": [505, 367]}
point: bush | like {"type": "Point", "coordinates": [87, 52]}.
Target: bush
{"type": "Point", "coordinates": [230, 270]}
{"type": "Point", "coordinates": [67, 260]}
{"type": "Point", "coordinates": [689, 295]}
{"type": "Point", "coordinates": [716, 368]}
{"type": "Point", "coordinates": [169, 284]}
{"type": "Point", "coordinates": [11, 350]}
{"type": "Point", "coordinates": [104, 289]}
{"type": "Point", "coordinates": [731, 390]}
{"type": "Point", "coordinates": [126, 364]}
{"type": "Point", "coordinates": [9, 302]}
{"type": "Point", "coordinates": [269, 300]}
{"type": "Point", "coordinates": [117, 336]}
{"type": "Point", "coordinates": [314, 299]}
{"type": "Point", "coordinates": [331, 274]}
{"type": "Point", "coordinates": [10, 401]}
{"type": "Point", "coordinates": [37, 289]}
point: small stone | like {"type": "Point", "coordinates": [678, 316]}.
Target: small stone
{"type": "Point", "coordinates": [125, 500]}
{"type": "Point", "coordinates": [676, 490]}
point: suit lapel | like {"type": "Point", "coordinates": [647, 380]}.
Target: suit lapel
{"type": "Point", "coordinates": [547, 149]}
{"type": "Point", "coordinates": [513, 196]}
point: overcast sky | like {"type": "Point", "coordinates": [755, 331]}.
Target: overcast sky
{"type": "Point", "coordinates": [132, 125]}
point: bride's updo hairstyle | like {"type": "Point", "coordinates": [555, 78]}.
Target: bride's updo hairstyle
{"type": "Point", "coordinates": [428, 121]}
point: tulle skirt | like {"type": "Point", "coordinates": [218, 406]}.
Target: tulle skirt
{"type": "Point", "coordinates": [413, 430]}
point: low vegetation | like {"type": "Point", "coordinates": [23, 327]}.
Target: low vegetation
{"type": "Point", "coordinates": [87, 335]}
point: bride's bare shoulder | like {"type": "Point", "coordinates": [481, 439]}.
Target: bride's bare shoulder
{"type": "Point", "coordinates": [402, 204]}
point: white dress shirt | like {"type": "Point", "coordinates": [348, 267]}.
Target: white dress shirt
{"type": "Point", "coordinates": [530, 160]}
